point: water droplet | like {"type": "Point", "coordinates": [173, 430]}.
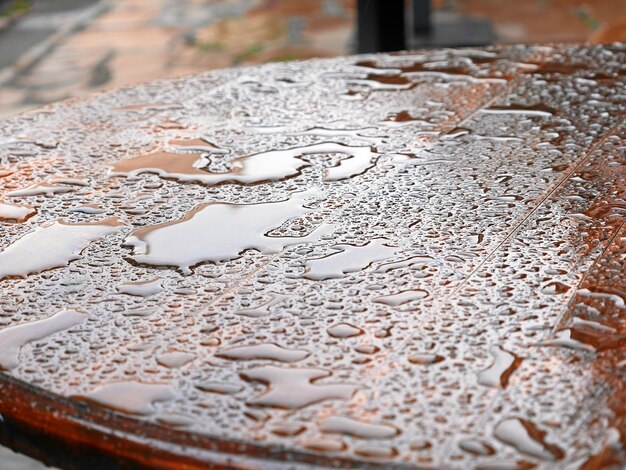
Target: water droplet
{"type": "Point", "coordinates": [344, 330]}
{"type": "Point", "coordinates": [376, 451]}
{"type": "Point", "coordinates": [52, 246]}
{"type": "Point", "coordinates": [527, 438]}
{"type": "Point", "coordinates": [570, 338]}
{"type": "Point", "coordinates": [175, 420]}
{"type": "Point", "coordinates": [70, 181]}
{"type": "Point", "coordinates": [348, 259]}
{"type": "Point", "coordinates": [355, 428]}
{"type": "Point", "coordinates": [402, 118]}
{"type": "Point", "coordinates": [15, 213]}
{"type": "Point", "coordinates": [532, 111]}
{"type": "Point", "coordinates": [40, 188]}
{"type": "Point", "coordinates": [614, 295]}
{"type": "Point", "coordinates": [223, 388]}
{"type": "Point", "coordinates": [272, 165]}
{"type": "Point", "coordinates": [499, 373]}
{"type": "Point", "coordinates": [263, 309]}
{"type": "Point", "coordinates": [295, 388]}
{"type": "Point", "coordinates": [366, 349]}
{"type": "Point", "coordinates": [356, 133]}
{"type": "Point", "coordinates": [175, 359]}
{"type": "Point", "coordinates": [196, 145]}
{"type": "Point", "coordinates": [554, 288]}
{"type": "Point", "coordinates": [151, 106]}
{"type": "Point", "coordinates": [476, 446]}
{"type": "Point", "coordinates": [411, 262]}
{"type": "Point", "coordinates": [288, 429]}
{"type": "Point", "coordinates": [425, 359]}
{"type": "Point", "coordinates": [268, 351]}
{"type": "Point", "coordinates": [130, 396]}
{"type": "Point", "coordinates": [401, 298]}
{"type": "Point", "coordinates": [582, 323]}
{"type": "Point", "coordinates": [141, 288]}
{"type": "Point", "coordinates": [12, 339]}
{"type": "Point", "coordinates": [324, 444]}
{"type": "Point", "coordinates": [197, 238]}
{"type": "Point", "coordinates": [91, 209]}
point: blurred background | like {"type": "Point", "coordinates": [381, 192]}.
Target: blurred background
{"type": "Point", "coordinates": [55, 49]}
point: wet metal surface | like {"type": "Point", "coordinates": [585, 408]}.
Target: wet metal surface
{"type": "Point", "coordinates": [414, 260]}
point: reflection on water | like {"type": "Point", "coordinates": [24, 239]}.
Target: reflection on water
{"type": "Point", "coordinates": [430, 272]}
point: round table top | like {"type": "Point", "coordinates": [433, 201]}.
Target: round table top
{"type": "Point", "coordinates": [414, 259]}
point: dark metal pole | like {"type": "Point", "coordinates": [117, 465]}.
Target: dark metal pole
{"type": "Point", "coordinates": [421, 16]}
{"type": "Point", "coordinates": [381, 25]}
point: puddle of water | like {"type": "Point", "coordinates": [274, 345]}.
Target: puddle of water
{"type": "Point", "coordinates": [274, 165]}
{"type": "Point", "coordinates": [197, 238]}
{"type": "Point", "coordinates": [614, 295]}
{"type": "Point", "coordinates": [401, 298]}
{"type": "Point", "coordinates": [403, 118]}
{"type": "Point", "coordinates": [355, 133]}
{"type": "Point", "coordinates": [348, 259]}
{"type": "Point", "coordinates": [196, 145]}
{"type": "Point", "coordinates": [269, 351]}
{"type": "Point", "coordinates": [582, 323]}
{"type": "Point", "coordinates": [52, 246]}
{"type": "Point", "coordinates": [141, 288]}
{"type": "Point", "coordinates": [344, 330]}
{"type": "Point", "coordinates": [554, 288]}
{"type": "Point", "coordinates": [425, 359]}
{"type": "Point", "coordinates": [15, 213]}
{"type": "Point", "coordinates": [175, 359]}
{"type": "Point", "coordinates": [130, 396]}
{"type": "Point", "coordinates": [573, 339]}
{"type": "Point", "coordinates": [263, 309]}
{"type": "Point", "coordinates": [325, 444]}
{"type": "Point", "coordinates": [288, 429]}
{"type": "Point", "coordinates": [476, 446]}
{"type": "Point", "coordinates": [37, 189]}
{"type": "Point", "coordinates": [222, 388]}
{"type": "Point", "coordinates": [527, 438]}
{"type": "Point", "coordinates": [70, 181]}
{"type": "Point", "coordinates": [12, 339]}
{"type": "Point", "coordinates": [356, 428]}
{"type": "Point", "coordinates": [498, 374]}
{"type": "Point", "coordinates": [295, 388]}
{"type": "Point", "coordinates": [411, 262]}
{"type": "Point", "coordinates": [91, 209]}
{"type": "Point", "coordinates": [366, 349]}
{"type": "Point", "coordinates": [376, 451]}
{"type": "Point", "coordinates": [533, 111]}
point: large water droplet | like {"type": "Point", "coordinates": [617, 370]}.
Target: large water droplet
{"type": "Point", "coordinates": [12, 339]}
{"type": "Point", "coordinates": [141, 288]}
{"type": "Point", "coordinates": [348, 259]}
{"type": "Point", "coordinates": [356, 428]}
{"type": "Point", "coordinates": [198, 238]}
{"type": "Point", "coordinates": [130, 396]}
{"type": "Point", "coordinates": [52, 246]}
{"type": "Point", "coordinates": [527, 438]}
{"type": "Point", "coordinates": [15, 213]}
{"type": "Point", "coordinates": [295, 388]}
{"type": "Point", "coordinates": [268, 351]}
{"type": "Point", "coordinates": [272, 165]}
{"type": "Point", "coordinates": [499, 373]}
